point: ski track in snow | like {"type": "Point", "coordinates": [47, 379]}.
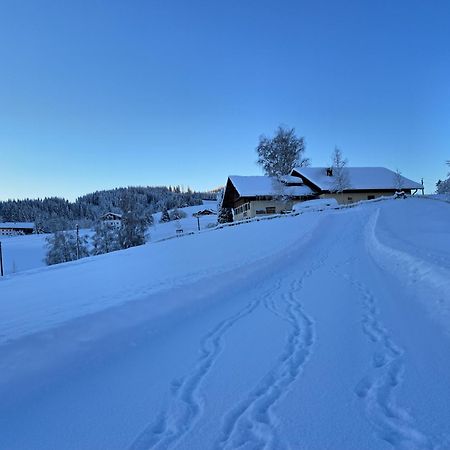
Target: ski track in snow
{"type": "Point", "coordinates": [186, 404]}
{"type": "Point", "coordinates": [377, 388]}
{"type": "Point", "coordinates": [252, 422]}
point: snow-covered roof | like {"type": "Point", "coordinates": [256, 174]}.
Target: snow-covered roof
{"type": "Point", "coordinates": [290, 179]}
{"type": "Point", "coordinates": [258, 186]}
{"type": "Point", "coordinates": [16, 225]}
{"type": "Point", "coordinates": [108, 215]}
{"type": "Point", "coordinates": [360, 178]}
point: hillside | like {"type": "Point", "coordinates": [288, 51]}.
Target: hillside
{"type": "Point", "coordinates": [327, 330]}
{"type": "Point", "coordinates": [28, 252]}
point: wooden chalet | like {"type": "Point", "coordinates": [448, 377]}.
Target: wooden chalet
{"type": "Point", "coordinates": [363, 183]}
{"type": "Point", "coordinates": [251, 196]}
{"type": "Point", "coordinates": [112, 219]}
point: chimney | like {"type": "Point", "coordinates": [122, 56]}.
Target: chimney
{"type": "Point", "coordinates": [329, 172]}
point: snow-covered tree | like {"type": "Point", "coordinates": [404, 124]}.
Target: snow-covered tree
{"type": "Point", "coordinates": [134, 223]}
{"type": "Point", "coordinates": [105, 239]}
{"type": "Point", "coordinates": [224, 215]}
{"type": "Point", "coordinates": [57, 214]}
{"type": "Point", "coordinates": [62, 246]}
{"type": "Point", "coordinates": [278, 155]}
{"type": "Point", "coordinates": [443, 187]}
{"type": "Point", "coordinates": [165, 216]}
{"type": "Point", "coordinates": [398, 180]}
{"type": "Point", "coordinates": [341, 180]}
{"type": "Point", "coordinates": [176, 214]}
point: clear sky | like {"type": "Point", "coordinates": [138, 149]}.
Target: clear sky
{"type": "Point", "coordinates": [99, 94]}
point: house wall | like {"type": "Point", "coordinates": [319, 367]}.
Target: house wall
{"type": "Point", "coordinates": [344, 198]}
{"type": "Point", "coordinates": [14, 231]}
{"type": "Point", "coordinates": [262, 207]}
{"type": "Point", "coordinates": [113, 223]}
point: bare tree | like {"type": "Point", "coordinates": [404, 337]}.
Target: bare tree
{"type": "Point", "coordinates": [398, 180]}
{"type": "Point", "coordinates": [341, 178]}
{"type": "Point", "coordinates": [62, 247]}
{"type": "Point", "coordinates": [105, 239]}
{"type": "Point", "coordinates": [280, 154]}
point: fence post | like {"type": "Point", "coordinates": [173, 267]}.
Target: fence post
{"type": "Point", "coordinates": [78, 242]}
{"type": "Point", "coordinates": [1, 260]}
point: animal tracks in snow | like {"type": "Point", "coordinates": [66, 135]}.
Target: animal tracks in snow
{"type": "Point", "coordinates": [253, 422]}
{"type": "Point", "coordinates": [186, 404]}
{"type": "Point", "coordinates": [378, 387]}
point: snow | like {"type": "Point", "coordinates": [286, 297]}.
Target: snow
{"type": "Point", "coordinates": [313, 205]}
{"type": "Point", "coordinates": [326, 330]}
{"type": "Point", "coordinates": [27, 252]}
{"type": "Point", "coordinates": [16, 225]}
{"type": "Point", "coordinates": [359, 178]}
{"type": "Point", "coordinates": [21, 253]}
{"type": "Point", "coordinates": [188, 224]}
{"type": "Point", "coordinates": [251, 186]}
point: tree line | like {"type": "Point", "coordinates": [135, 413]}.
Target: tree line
{"type": "Point", "coordinates": [65, 246]}
{"type": "Point", "coordinates": [56, 214]}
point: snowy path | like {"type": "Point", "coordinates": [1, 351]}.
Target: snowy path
{"type": "Point", "coordinates": [320, 346]}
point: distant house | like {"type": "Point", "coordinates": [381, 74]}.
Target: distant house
{"type": "Point", "coordinates": [112, 219]}
{"type": "Point", "coordinates": [204, 212]}
{"type": "Point", "coordinates": [250, 196]}
{"type": "Point", "coordinates": [364, 183]}
{"type": "Point", "coordinates": [16, 228]}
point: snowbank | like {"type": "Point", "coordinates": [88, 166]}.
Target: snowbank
{"type": "Point", "coordinates": [43, 298]}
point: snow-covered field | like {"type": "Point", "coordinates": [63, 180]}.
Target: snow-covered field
{"type": "Point", "coordinates": [23, 252]}
{"type": "Point", "coordinates": [329, 330]}
{"type": "Point", "coordinates": [28, 252]}
{"type": "Point", "coordinates": [188, 224]}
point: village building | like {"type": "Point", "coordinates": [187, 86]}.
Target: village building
{"type": "Point", "coordinates": [111, 219]}
{"type": "Point", "coordinates": [362, 183]}
{"type": "Point", "coordinates": [251, 196]}
{"type": "Point", "coordinates": [204, 212]}
{"type": "Point", "coordinates": [16, 228]}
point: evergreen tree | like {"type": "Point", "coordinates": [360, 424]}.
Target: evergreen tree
{"type": "Point", "coordinates": [134, 225]}
{"type": "Point", "coordinates": [56, 214]}
{"type": "Point", "coordinates": [165, 216]}
{"type": "Point", "coordinates": [224, 215]}
{"type": "Point", "coordinates": [443, 187]}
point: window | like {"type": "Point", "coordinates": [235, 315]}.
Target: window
{"type": "Point", "coordinates": [270, 210]}
{"type": "Point", "coordinates": [350, 199]}
{"type": "Point", "coordinates": [242, 209]}
{"type": "Point", "coordinates": [370, 197]}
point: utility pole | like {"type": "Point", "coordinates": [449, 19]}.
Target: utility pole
{"type": "Point", "coordinates": [78, 241]}
{"type": "Point", "coordinates": [1, 260]}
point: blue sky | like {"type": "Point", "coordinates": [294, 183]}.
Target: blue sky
{"type": "Point", "coordinates": [100, 94]}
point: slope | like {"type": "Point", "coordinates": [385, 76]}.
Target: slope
{"type": "Point", "coordinates": [300, 332]}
